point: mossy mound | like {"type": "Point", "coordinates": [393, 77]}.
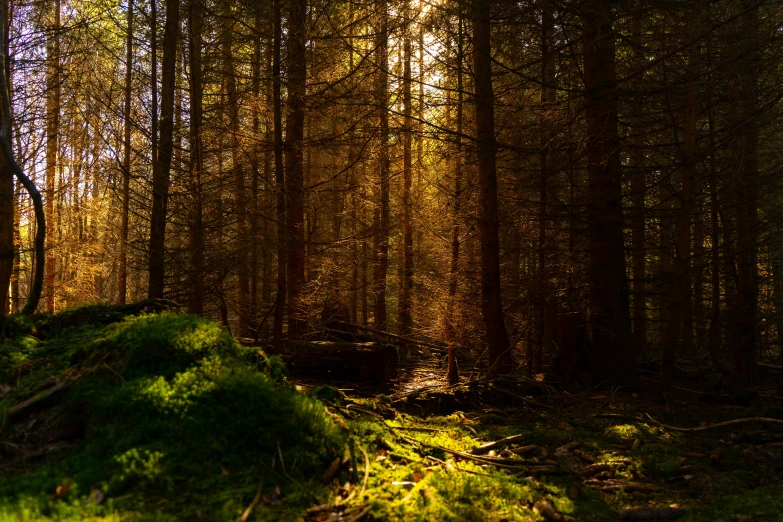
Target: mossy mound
{"type": "Point", "coordinates": [166, 415]}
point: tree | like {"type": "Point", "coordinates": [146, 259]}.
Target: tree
{"type": "Point", "coordinates": [294, 178]}
{"type": "Point", "coordinates": [611, 355]}
{"type": "Point", "coordinates": [491, 306]}
{"type": "Point", "coordinates": [161, 171]}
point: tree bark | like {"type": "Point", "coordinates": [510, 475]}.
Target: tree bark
{"type": "Point", "coordinates": [196, 166]}
{"type": "Point", "coordinates": [161, 171]}
{"type": "Point", "coordinates": [294, 147]}
{"type": "Point", "coordinates": [239, 186]}
{"type": "Point", "coordinates": [405, 305]}
{"type": "Point", "coordinates": [681, 282]}
{"type": "Point", "coordinates": [280, 300]}
{"type": "Point", "coordinates": [453, 370]}
{"type": "Point", "coordinates": [746, 344]}
{"type": "Point", "coordinates": [53, 90]}
{"type": "Point", "coordinates": [611, 356]}
{"type": "Point", "coordinates": [381, 236]}
{"type": "Point", "coordinates": [488, 224]}
{"type": "Point", "coordinates": [122, 269]}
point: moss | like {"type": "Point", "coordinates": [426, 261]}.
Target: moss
{"type": "Point", "coordinates": [190, 425]}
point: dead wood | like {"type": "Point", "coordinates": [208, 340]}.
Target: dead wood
{"type": "Point", "coordinates": [22, 406]}
{"type": "Point", "coordinates": [485, 448]}
{"type": "Point", "coordinates": [651, 513]}
{"type": "Point", "coordinates": [392, 336]}
{"type": "Point", "coordinates": [677, 428]}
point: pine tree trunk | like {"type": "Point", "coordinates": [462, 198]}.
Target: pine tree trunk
{"type": "Point", "coordinates": [682, 246]}
{"type": "Point", "coordinates": [53, 90]}
{"type": "Point", "coordinates": [196, 167]}
{"type": "Point", "coordinates": [294, 147]}
{"type": "Point", "coordinates": [488, 225]}
{"type": "Point", "coordinates": [239, 185]}
{"type": "Point", "coordinates": [280, 300]}
{"type": "Point", "coordinates": [161, 171]}
{"type": "Point", "coordinates": [611, 357]}
{"type": "Point", "coordinates": [405, 305]}
{"type": "Point", "coordinates": [122, 269]}
{"type": "Point", "coordinates": [381, 237]}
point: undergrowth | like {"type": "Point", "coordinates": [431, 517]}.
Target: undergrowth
{"type": "Point", "coordinates": [166, 417]}
{"type": "Point", "coordinates": [170, 418]}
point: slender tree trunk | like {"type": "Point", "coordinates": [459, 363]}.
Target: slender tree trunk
{"type": "Point", "coordinates": [239, 186]}
{"type": "Point", "coordinates": [453, 370]}
{"type": "Point", "coordinates": [547, 99]}
{"type": "Point", "coordinates": [122, 270]}
{"type": "Point", "coordinates": [161, 171]}
{"type": "Point", "coordinates": [381, 238]}
{"type": "Point", "coordinates": [294, 147]}
{"type": "Point", "coordinates": [280, 300]}
{"type": "Point", "coordinates": [682, 244]}
{"type": "Point", "coordinates": [256, 235]}
{"type": "Point", "coordinates": [196, 261]}
{"type": "Point", "coordinates": [639, 217]}
{"type": "Point", "coordinates": [488, 225]}
{"type": "Point", "coordinates": [405, 305]}
{"type": "Point", "coordinates": [746, 345]}
{"type": "Point", "coordinates": [612, 357]}
{"type": "Point", "coordinates": [9, 272]}
{"type": "Point", "coordinates": [53, 90]}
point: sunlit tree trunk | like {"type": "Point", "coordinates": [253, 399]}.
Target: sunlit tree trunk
{"type": "Point", "coordinates": [294, 147]}
{"type": "Point", "coordinates": [488, 225]}
{"type": "Point", "coordinates": [405, 305]}
{"type": "Point", "coordinates": [381, 232]}
{"type": "Point", "coordinates": [612, 356]}
{"type": "Point", "coordinates": [53, 90]}
{"type": "Point", "coordinates": [122, 269]}
{"type": "Point", "coordinates": [453, 370]}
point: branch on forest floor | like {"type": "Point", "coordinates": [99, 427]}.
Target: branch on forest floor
{"type": "Point", "coordinates": [22, 406]}
{"type": "Point", "coordinates": [676, 428]}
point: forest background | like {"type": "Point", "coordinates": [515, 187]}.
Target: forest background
{"type": "Point", "coordinates": [591, 183]}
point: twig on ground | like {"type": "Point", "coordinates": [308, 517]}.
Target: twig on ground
{"type": "Point", "coordinates": [485, 448]}
{"type": "Point", "coordinates": [366, 472]}
{"type": "Point", "coordinates": [246, 513]}
{"type": "Point", "coordinates": [676, 428]}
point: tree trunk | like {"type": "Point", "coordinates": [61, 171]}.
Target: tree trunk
{"type": "Point", "coordinates": [381, 237]}
{"type": "Point", "coordinates": [53, 90]}
{"type": "Point", "coordinates": [280, 300]}
{"type": "Point", "coordinates": [405, 305]}
{"type": "Point", "coordinates": [196, 167]}
{"type": "Point", "coordinates": [611, 357]}
{"type": "Point", "coordinates": [682, 246]}
{"type": "Point", "coordinates": [161, 171]}
{"type": "Point", "coordinates": [453, 370]}
{"type": "Point", "coordinates": [239, 188]}
{"type": "Point", "coordinates": [488, 225]}
{"type": "Point", "coordinates": [294, 146]}
{"type": "Point", "coordinates": [746, 344]}
{"type": "Point", "coordinates": [122, 269]}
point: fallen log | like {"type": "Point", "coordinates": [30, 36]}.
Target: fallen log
{"type": "Point", "coordinates": [22, 406]}
{"type": "Point", "coordinates": [341, 360]}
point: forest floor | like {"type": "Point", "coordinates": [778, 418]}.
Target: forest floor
{"type": "Point", "coordinates": [165, 417]}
